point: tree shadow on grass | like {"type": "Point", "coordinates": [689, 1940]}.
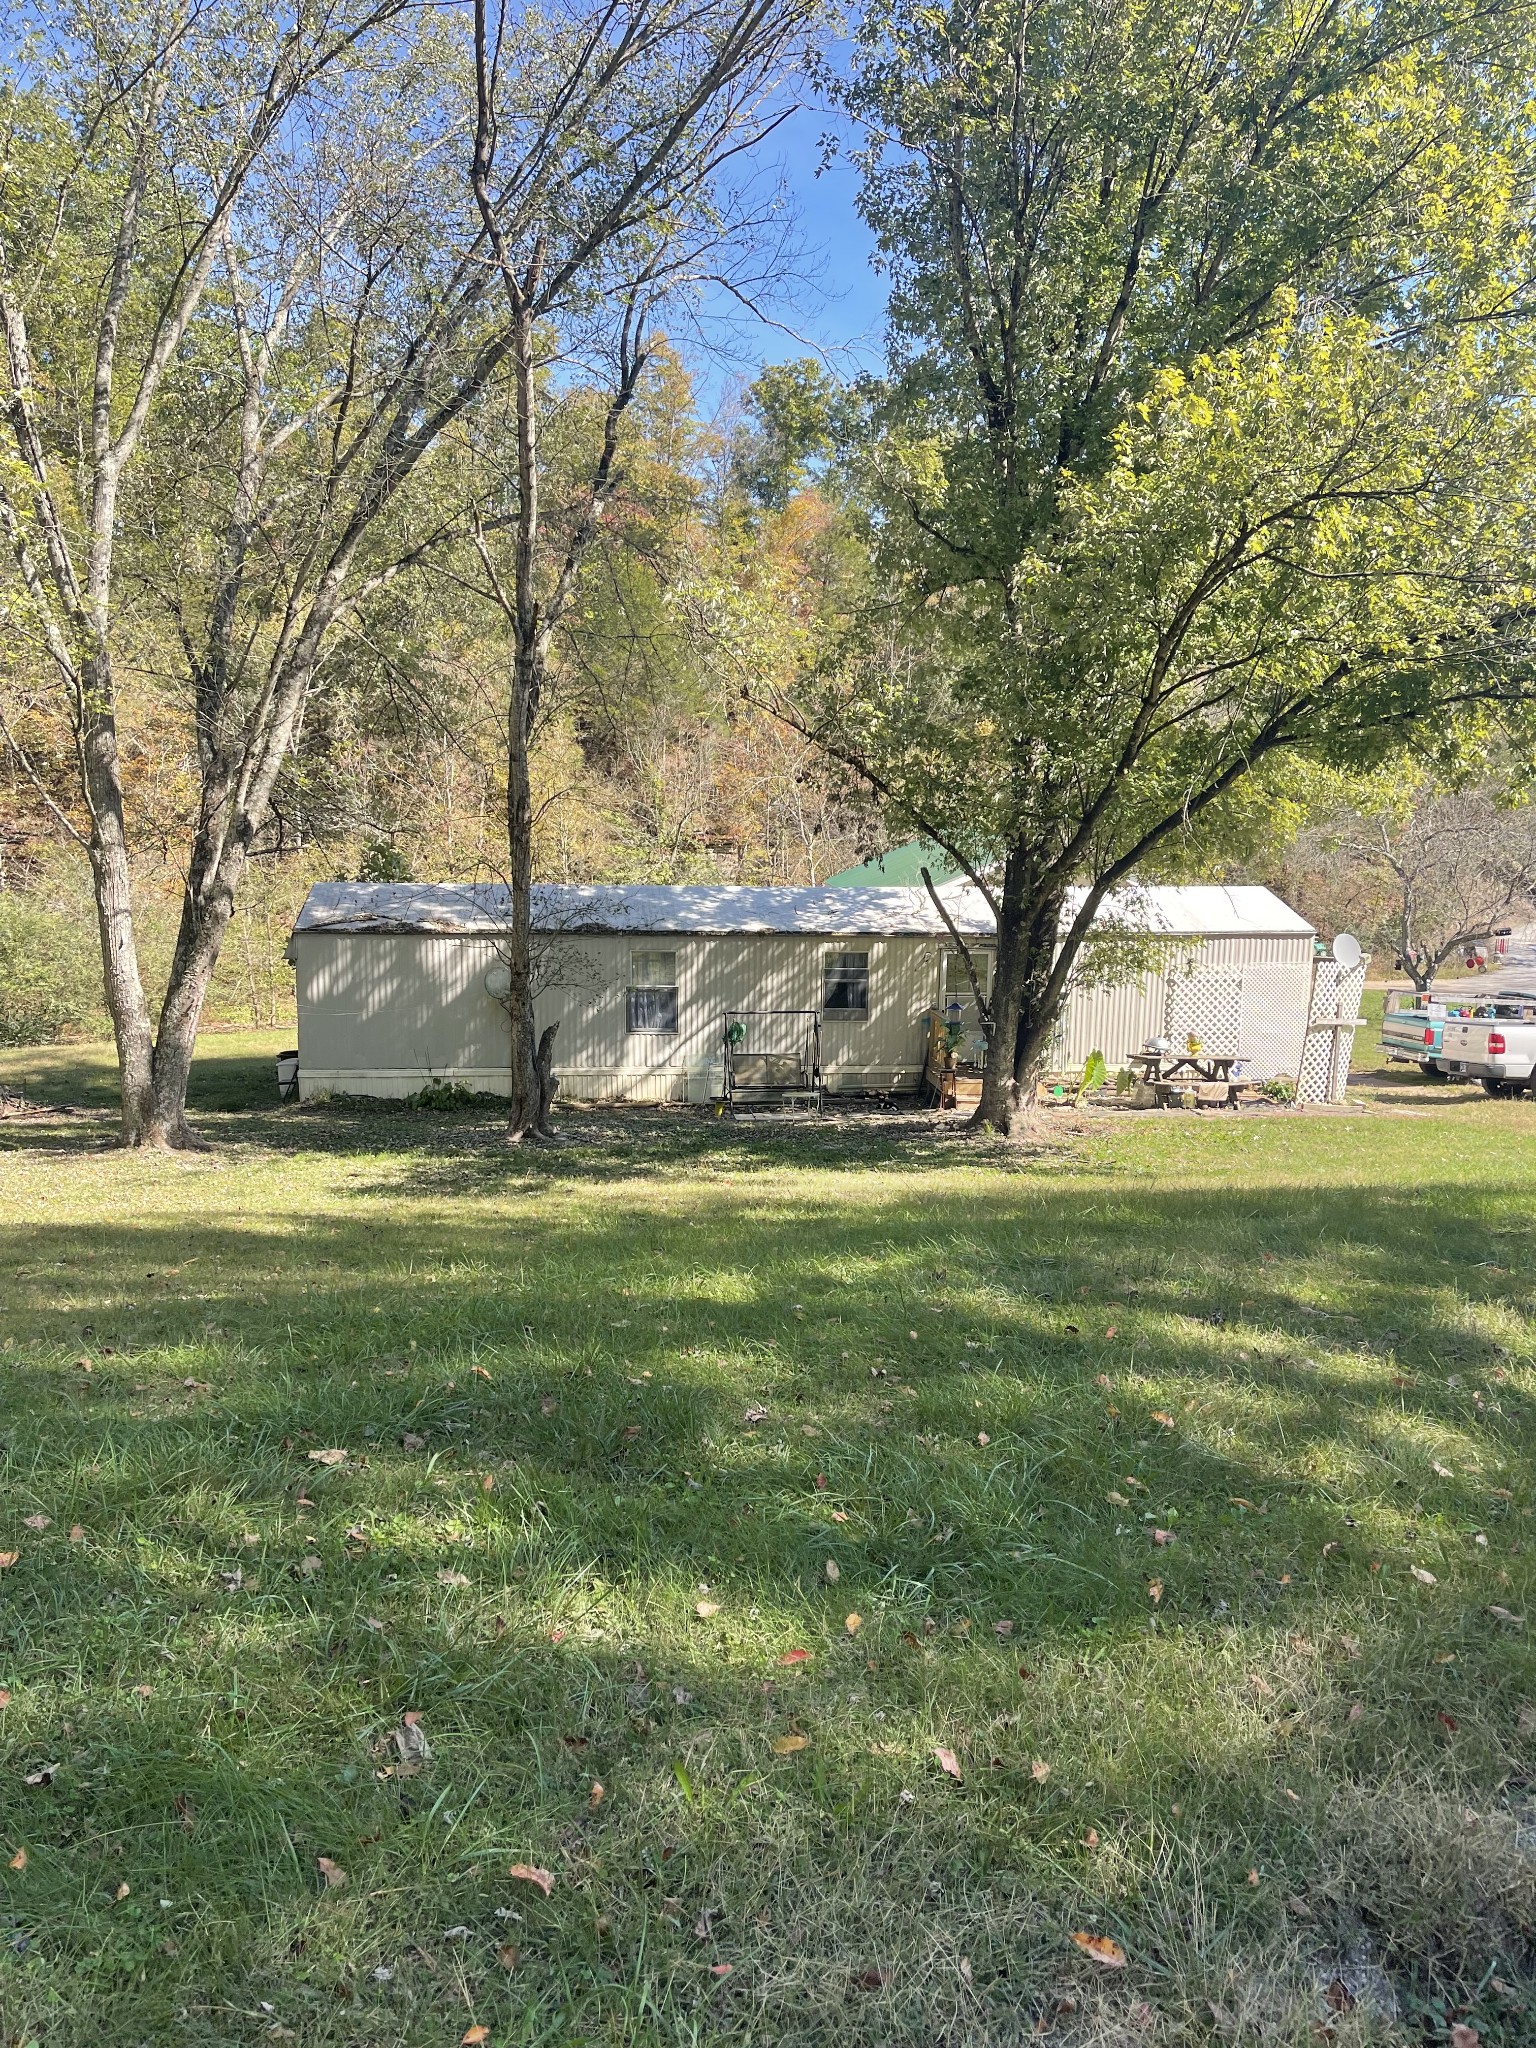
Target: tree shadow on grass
{"type": "Point", "coordinates": [623, 1352]}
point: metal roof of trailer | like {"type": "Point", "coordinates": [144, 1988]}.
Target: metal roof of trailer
{"type": "Point", "coordinates": [1198, 910]}
{"type": "Point", "coordinates": [645, 907]}
{"type": "Point", "coordinates": [1204, 910]}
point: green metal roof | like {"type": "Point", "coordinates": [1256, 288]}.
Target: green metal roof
{"type": "Point", "coordinates": [896, 869]}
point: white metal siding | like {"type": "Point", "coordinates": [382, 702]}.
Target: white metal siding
{"type": "Point", "coordinates": [380, 1013]}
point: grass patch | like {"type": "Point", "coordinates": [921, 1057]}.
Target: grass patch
{"type": "Point", "coordinates": [609, 1416]}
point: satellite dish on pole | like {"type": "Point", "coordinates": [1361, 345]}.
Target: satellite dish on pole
{"type": "Point", "coordinates": [1346, 951]}
{"type": "Point", "coordinates": [498, 981]}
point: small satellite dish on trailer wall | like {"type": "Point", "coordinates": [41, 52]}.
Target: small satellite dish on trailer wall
{"type": "Point", "coordinates": [1346, 951]}
{"type": "Point", "coordinates": [498, 981]}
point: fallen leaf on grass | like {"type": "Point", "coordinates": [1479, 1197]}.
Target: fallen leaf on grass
{"type": "Point", "coordinates": [508, 1956]}
{"type": "Point", "coordinates": [1154, 1590]}
{"type": "Point", "coordinates": [1448, 1721]}
{"type": "Point", "coordinates": [479, 1372]}
{"type": "Point", "coordinates": [123, 1891]}
{"type": "Point", "coordinates": [721, 1969]}
{"type": "Point", "coordinates": [412, 1442]}
{"type": "Point", "coordinates": [1102, 1949]}
{"type": "Point", "coordinates": [452, 1579]}
{"type": "Point", "coordinates": [949, 1763]}
{"type": "Point", "coordinates": [5, 1695]}
{"type": "Point", "coordinates": [1441, 1471]}
{"type": "Point", "coordinates": [833, 1574]}
{"type": "Point", "coordinates": [309, 1565]}
{"type": "Point", "coordinates": [1002, 1628]}
{"type": "Point", "coordinates": [1162, 1536]}
{"type": "Point", "coordinates": [43, 1775]}
{"type": "Point", "coordinates": [1356, 1711]}
{"type": "Point", "coordinates": [8, 1558]}
{"type": "Point", "coordinates": [471, 2035]}
{"type": "Point", "coordinates": [333, 1456]}
{"type": "Point", "coordinates": [38, 1521]}
{"type": "Point", "coordinates": [1116, 1500]}
{"type": "Point", "coordinates": [1503, 1614]}
{"type": "Point", "coordinates": [530, 1873]}
{"type": "Point", "coordinates": [595, 1796]}
{"type": "Point", "coordinates": [1091, 1839]}
{"type": "Point", "coordinates": [790, 1745]}
{"type": "Point", "coordinates": [796, 1657]}
{"type": "Point", "coordinates": [1161, 1415]}
{"type": "Point", "coordinates": [705, 1609]}
{"type": "Point", "coordinates": [19, 1860]}
{"type": "Point", "coordinates": [332, 1872]}
{"type": "Point", "coordinates": [872, 1980]}
{"type": "Point", "coordinates": [1424, 1578]}
{"type": "Point", "coordinates": [411, 1745]}
{"type": "Point", "coordinates": [1463, 2036]}
{"type": "Point", "coordinates": [1039, 1771]}
{"type": "Point", "coordinates": [983, 1439]}
{"type": "Point", "coordinates": [853, 1623]}
{"type": "Point", "coordinates": [77, 1533]}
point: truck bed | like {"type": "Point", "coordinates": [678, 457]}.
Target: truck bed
{"type": "Point", "coordinates": [1492, 1041]}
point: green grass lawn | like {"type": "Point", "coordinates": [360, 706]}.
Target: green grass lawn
{"type": "Point", "coordinates": [701, 1485]}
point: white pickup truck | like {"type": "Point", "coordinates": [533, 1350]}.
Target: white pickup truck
{"type": "Point", "coordinates": [1492, 1040]}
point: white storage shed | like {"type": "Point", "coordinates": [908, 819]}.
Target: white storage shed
{"type": "Point", "coordinates": [396, 982]}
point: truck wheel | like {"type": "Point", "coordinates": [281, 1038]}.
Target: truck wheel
{"type": "Point", "coordinates": [1435, 1073]}
{"type": "Point", "coordinates": [1503, 1087]}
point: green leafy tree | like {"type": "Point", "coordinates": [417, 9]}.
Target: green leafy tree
{"type": "Point", "coordinates": [1205, 435]}
{"type": "Point", "coordinates": [796, 416]}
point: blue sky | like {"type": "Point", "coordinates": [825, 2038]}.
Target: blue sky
{"type": "Point", "coordinates": [837, 308]}
{"type": "Point", "coordinates": [846, 314]}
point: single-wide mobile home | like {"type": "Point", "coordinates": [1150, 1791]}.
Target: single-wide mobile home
{"type": "Point", "coordinates": [399, 983]}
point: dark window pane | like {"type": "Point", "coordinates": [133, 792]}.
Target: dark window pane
{"type": "Point", "coordinates": [653, 1009]}
{"type": "Point", "coordinates": [847, 983]}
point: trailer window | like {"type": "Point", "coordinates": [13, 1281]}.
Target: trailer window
{"type": "Point", "coordinates": [846, 988]}
{"type": "Point", "coordinates": [653, 992]}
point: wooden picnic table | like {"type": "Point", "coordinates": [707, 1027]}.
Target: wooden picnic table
{"type": "Point", "coordinates": [1172, 1074]}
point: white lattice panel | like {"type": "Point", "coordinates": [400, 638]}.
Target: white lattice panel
{"type": "Point", "coordinates": [1336, 993]}
{"type": "Point", "coordinates": [1207, 1005]}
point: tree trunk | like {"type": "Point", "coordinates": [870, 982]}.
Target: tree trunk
{"type": "Point", "coordinates": [528, 1114]}
{"type": "Point", "coordinates": [122, 982]}
{"type": "Point", "coordinates": [207, 906]}
{"type": "Point", "coordinates": [544, 1064]}
{"type": "Point", "coordinates": [1023, 1016]}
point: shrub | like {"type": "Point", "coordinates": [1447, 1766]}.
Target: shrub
{"type": "Point", "coordinates": [50, 977]}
